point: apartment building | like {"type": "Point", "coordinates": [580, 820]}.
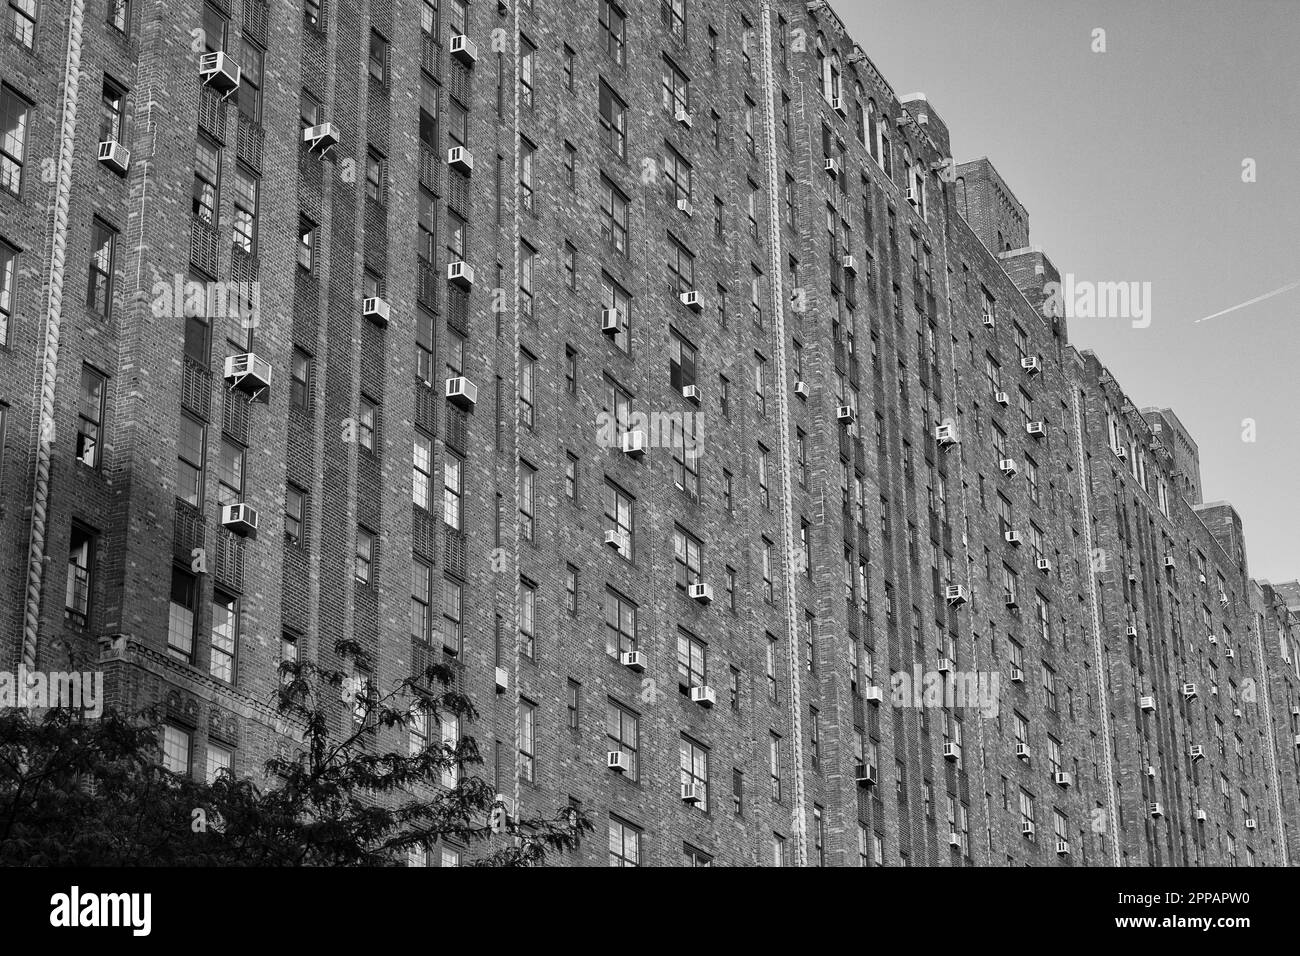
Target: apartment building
{"type": "Point", "coordinates": [737, 419]}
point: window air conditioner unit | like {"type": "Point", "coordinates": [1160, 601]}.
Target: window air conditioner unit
{"type": "Point", "coordinates": [463, 49]}
{"type": "Point", "coordinates": [247, 373]}
{"type": "Point", "coordinates": [684, 206]}
{"type": "Point", "coordinates": [1147, 703]}
{"type": "Point", "coordinates": [609, 324]}
{"type": "Point", "coordinates": [1007, 466]}
{"type": "Point", "coordinates": [945, 435]}
{"type": "Point", "coordinates": [1236, 711]}
{"type": "Point", "coordinates": [1063, 778]}
{"type": "Point", "coordinates": [988, 320]}
{"type": "Point", "coordinates": [1151, 771]}
{"type": "Point", "coordinates": [461, 274]}
{"type": "Point", "coordinates": [954, 839]}
{"type": "Point", "coordinates": [801, 389]}
{"type": "Point", "coordinates": [865, 775]}
{"type": "Point", "coordinates": [1031, 364]}
{"type": "Point", "coordinates": [1229, 653]}
{"type": "Point", "coordinates": [220, 72]}
{"type": "Point", "coordinates": [943, 665]}
{"type": "Point", "coordinates": [832, 166]}
{"type": "Point", "coordinates": [462, 393]}
{"type": "Point", "coordinates": [240, 519]}
{"type": "Point", "coordinates": [1002, 398]}
{"type": "Point", "coordinates": [115, 156]}
{"type": "Point", "coordinates": [701, 593]}
{"type": "Point", "coordinates": [1027, 827]}
{"type": "Point", "coordinates": [1202, 816]}
{"type": "Point", "coordinates": [1189, 691]}
{"type": "Point", "coordinates": [1044, 565]}
{"type": "Point", "coordinates": [320, 139]}
{"type": "Point", "coordinates": [1011, 601]}
{"type": "Point", "coordinates": [633, 660]}
{"type": "Point", "coordinates": [1156, 809]}
{"type": "Point", "coordinates": [1196, 752]}
{"type": "Point", "coordinates": [849, 264]}
{"type": "Point", "coordinates": [691, 300]}
{"type": "Point", "coordinates": [634, 443]}
{"type": "Point", "coordinates": [951, 751]}
{"type": "Point", "coordinates": [1170, 562]}
{"type": "Point", "coordinates": [873, 695]}
{"type": "Point", "coordinates": [460, 159]}
{"type": "Point", "coordinates": [376, 310]}
{"type": "Point", "coordinates": [955, 594]}
{"type": "Point", "coordinates": [690, 793]}
{"type": "Point", "coordinates": [845, 414]}
{"type": "Point", "coordinates": [615, 539]}
{"type": "Point", "coordinates": [1063, 847]}
{"type": "Point", "coordinates": [618, 761]}
{"type": "Point", "coordinates": [1017, 674]}
{"type": "Point", "coordinates": [1012, 537]}
{"type": "Point", "coordinates": [682, 116]}
{"type": "Point", "coordinates": [503, 679]}
{"type": "Point", "coordinates": [1121, 454]}
{"type": "Point", "coordinates": [1037, 429]}
{"type": "Point", "coordinates": [704, 695]}
{"type": "Point", "coordinates": [1130, 631]}
{"type": "Point", "coordinates": [1022, 752]}
{"type": "Point", "coordinates": [691, 393]}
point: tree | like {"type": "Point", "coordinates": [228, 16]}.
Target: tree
{"type": "Point", "coordinates": [93, 792]}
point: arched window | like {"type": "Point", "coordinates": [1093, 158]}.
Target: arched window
{"type": "Point", "coordinates": [873, 119]}
{"type": "Point", "coordinates": [833, 78]}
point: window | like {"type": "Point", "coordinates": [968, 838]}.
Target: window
{"type": "Point", "coordinates": [225, 636]}
{"type": "Point", "coordinates": [176, 749]}
{"type": "Point", "coordinates": [452, 472]}
{"type": "Point", "coordinates": [570, 370]}
{"type": "Point", "coordinates": [299, 380]}
{"type": "Point", "coordinates": [230, 472]}
{"type": "Point", "coordinates": [452, 597]}
{"type": "Point", "coordinates": [363, 569]}
{"type": "Point", "coordinates": [250, 82]}
{"type": "Point", "coordinates": [687, 553]}
{"type": "Point", "coordinates": [622, 729]}
{"type": "Point", "coordinates": [681, 268]}
{"type": "Point", "coordinates": [378, 65]}
{"type": "Point", "coordinates": [686, 459]}
{"type": "Point", "coordinates": [527, 618]}
{"type": "Point", "coordinates": [14, 117]}
{"type": "Point", "coordinates": [695, 772]}
{"type": "Point", "coordinates": [774, 764]}
{"type": "Point", "coordinates": [219, 759]}
{"type": "Point", "coordinates": [422, 471]}
{"type": "Point", "coordinates": [366, 417]}
{"type": "Point", "coordinates": [613, 27]}
{"type": "Point", "coordinates": [112, 113]}
{"type": "Point", "coordinates": [421, 600]}
{"type": "Point", "coordinates": [692, 662]}
{"type": "Point", "coordinates": [770, 669]}
{"type": "Point", "coordinates": [673, 14]}
{"type": "Point", "coordinates": [734, 682]}
{"type": "Point", "coordinates": [613, 216]}
{"type": "Point", "coordinates": [624, 843]}
{"type": "Point", "coordinates": [527, 373]}
{"type": "Point", "coordinates": [613, 121]}
{"type": "Point", "coordinates": [615, 299]}
{"type": "Point", "coordinates": [190, 460]}
{"type": "Point", "coordinates": [99, 288]}
{"type": "Point", "coordinates": [570, 261]}
{"type": "Point", "coordinates": [306, 244]}
{"type": "Point", "coordinates": [570, 166]}
{"type": "Point", "coordinates": [764, 490]}
{"type": "Point", "coordinates": [769, 590]}
{"type": "Point", "coordinates": [1027, 811]}
{"type": "Point", "coordinates": [8, 295]}
{"type": "Point", "coordinates": [573, 698]}
{"type": "Point", "coordinates": [182, 614]}
{"type": "Point", "coordinates": [90, 416]}
{"type": "Point", "coordinates": [81, 558]}
{"type": "Point", "coordinates": [620, 624]}
{"type": "Point", "coordinates": [527, 740]}
{"type": "Point", "coordinates": [618, 517]}
{"type": "Point", "coordinates": [568, 57]}
{"type": "Point", "coordinates": [376, 175]}
{"type": "Point", "coordinates": [246, 190]}
{"type": "Point", "coordinates": [527, 54]}
{"type": "Point", "coordinates": [678, 183]}
{"type": "Point", "coordinates": [676, 89]}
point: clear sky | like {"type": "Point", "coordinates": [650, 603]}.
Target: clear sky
{"type": "Point", "coordinates": [1129, 163]}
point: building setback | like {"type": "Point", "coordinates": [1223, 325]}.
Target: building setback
{"type": "Point", "coordinates": [655, 365]}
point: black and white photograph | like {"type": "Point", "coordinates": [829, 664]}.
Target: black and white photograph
{"type": "Point", "coordinates": [648, 434]}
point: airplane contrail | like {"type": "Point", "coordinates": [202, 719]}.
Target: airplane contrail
{"type": "Point", "coordinates": [1258, 298]}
